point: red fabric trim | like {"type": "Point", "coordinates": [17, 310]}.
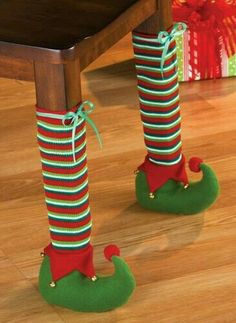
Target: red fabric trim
{"type": "Point", "coordinates": [63, 263]}
{"type": "Point", "coordinates": [158, 175]}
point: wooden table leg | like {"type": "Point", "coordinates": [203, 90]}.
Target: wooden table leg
{"type": "Point", "coordinates": [57, 85]}
{"type": "Point", "coordinates": [162, 20]}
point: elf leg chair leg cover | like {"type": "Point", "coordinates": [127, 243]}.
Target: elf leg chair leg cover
{"type": "Point", "coordinates": [161, 181]}
{"type": "Point", "coordinates": [67, 276]}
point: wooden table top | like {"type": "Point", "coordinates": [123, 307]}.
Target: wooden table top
{"type": "Point", "coordinates": [56, 24]}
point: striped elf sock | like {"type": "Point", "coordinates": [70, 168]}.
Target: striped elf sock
{"type": "Point", "coordinates": [68, 261]}
{"type": "Point", "coordinates": [158, 88]}
{"type": "Point", "coordinates": [65, 177]}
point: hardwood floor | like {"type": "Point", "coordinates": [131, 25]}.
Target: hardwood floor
{"type": "Point", "coordinates": [185, 266]}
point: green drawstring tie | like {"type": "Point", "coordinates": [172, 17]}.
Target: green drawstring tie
{"type": "Point", "coordinates": [165, 38]}
{"type": "Point", "coordinates": [72, 118]}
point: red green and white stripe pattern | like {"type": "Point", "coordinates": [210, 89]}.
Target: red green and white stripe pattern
{"type": "Point", "coordinates": [65, 180]}
{"type": "Point", "coordinates": [159, 98]}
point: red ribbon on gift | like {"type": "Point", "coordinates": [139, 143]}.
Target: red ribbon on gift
{"type": "Point", "coordinates": [212, 28]}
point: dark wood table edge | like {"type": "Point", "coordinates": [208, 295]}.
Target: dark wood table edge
{"type": "Point", "coordinates": [95, 45]}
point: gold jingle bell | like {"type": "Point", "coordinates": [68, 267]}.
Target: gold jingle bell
{"type": "Point", "coordinates": [151, 195]}
{"type": "Point", "coordinates": [52, 284]}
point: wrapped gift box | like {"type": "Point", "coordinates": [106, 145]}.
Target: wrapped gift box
{"type": "Point", "coordinates": [207, 49]}
{"type": "Point", "coordinates": [228, 65]}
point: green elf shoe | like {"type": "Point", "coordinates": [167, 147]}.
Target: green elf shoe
{"type": "Point", "coordinates": [177, 198]}
{"type": "Point", "coordinates": [79, 293]}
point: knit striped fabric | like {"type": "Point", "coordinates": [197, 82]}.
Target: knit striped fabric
{"type": "Point", "coordinates": [65, 181]}
{"type": "Point", "coordinates": [159, 99]}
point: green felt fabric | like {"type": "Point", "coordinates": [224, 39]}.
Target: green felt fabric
{"type": "Point", "coordinates": [78, 293]}
{"type": "Point", "coordinates": [173, 198]}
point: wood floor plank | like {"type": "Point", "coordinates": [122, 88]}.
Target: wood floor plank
{"type": "Point", "coordinates": [20, 300]}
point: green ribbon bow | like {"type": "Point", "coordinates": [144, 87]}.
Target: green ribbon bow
{"type": "Point", "coordinates": [71, 119]}
{"type": "Point", "coordinates": [166, 38]}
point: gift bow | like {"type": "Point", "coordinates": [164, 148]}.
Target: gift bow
{"type": "Point", "coordinates": [72, 118]}
{"type": "Point", "coordinates": [199, 15]}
